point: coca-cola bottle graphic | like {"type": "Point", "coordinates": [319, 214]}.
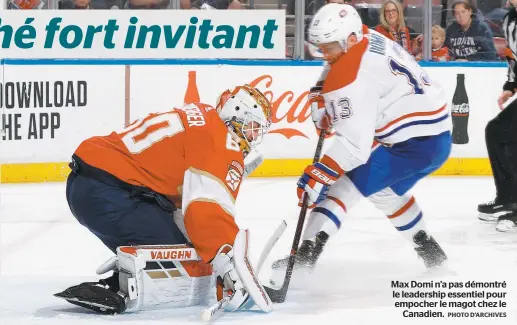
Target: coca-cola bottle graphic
{"type": "Point", "coordinates": [191, 94]}
{"type": "Point", "coordinates": [460, 112]}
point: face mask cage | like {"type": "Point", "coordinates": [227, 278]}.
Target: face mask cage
{"type": "Point", "coordinates": [250, 131]}
{"type": "Point", "coordinates": [254, 128]}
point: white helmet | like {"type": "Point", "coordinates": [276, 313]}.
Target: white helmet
{"type": "Point", "coordinates": [335, 22]}
{"type": "Point", "coordinates": [247, 112]}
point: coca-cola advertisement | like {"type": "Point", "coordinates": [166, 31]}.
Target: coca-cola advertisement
{"type": "Point", "coordinates": [460, 112]}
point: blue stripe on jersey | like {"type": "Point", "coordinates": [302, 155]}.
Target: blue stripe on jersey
{"type": "Point", "coordinates": [411, 224]}
{"type": "Point", "coordinates": [403, 126]}
{"type": "Point", "coordinates": [329, 215]}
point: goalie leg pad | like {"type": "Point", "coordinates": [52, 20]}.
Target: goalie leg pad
{"type": "Point", "coordinates": [247, 273]}
{"type": "Point", "coordinates": [163, 275]}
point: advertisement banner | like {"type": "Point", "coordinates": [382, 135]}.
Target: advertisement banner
{"type": "Point", "coordinates": [472, 99]}
{"type": "Point", "coordinates": [143, 34]}
{"type": "Point", "coordinates": [159, 88]}
{"type": "Point", "coordinates": [48, 112]}
{"type": "Point", "coordinates": [50, 109]}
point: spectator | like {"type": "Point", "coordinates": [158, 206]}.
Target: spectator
{"type": "Point", "coordinates": [25, 4]}
{"type": "Point", "coordinates": [439, 51]}
{"type": "Point", "coordinates": [468, 38]}
{"type": "Point", "coordinates": [393, 26]}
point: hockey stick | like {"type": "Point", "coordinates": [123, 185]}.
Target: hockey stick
{"type": "Point", "coordinates": [208, 313]}
{"type": "Point", "coordinates": [278, 295]}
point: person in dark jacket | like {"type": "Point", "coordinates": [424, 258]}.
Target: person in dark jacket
{"type": "Point", "coordinates": [468, 38]}
{"type": "Point", "coordinates": [501, 140]}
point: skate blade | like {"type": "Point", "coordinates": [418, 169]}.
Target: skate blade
{"type": "Point", "coordinates": [490, 218]}
{"type": "Point", "coordinates": [506, 226]}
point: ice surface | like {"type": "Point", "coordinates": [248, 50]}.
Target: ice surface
{"type": "Point", "coordinates": [43, 250]}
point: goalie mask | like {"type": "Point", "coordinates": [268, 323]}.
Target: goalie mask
{"type": "Point", "coordinates": [247, 113]}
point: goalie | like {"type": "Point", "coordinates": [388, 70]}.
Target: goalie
{"type": "Point", "coordinates": [188, 163]}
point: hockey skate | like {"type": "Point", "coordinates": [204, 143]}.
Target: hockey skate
{"type": "Point", "coordinates": [507, 222]}
{"type": "Point", "coordinates": [429, 250]}
{"type": "Point", "coordinates": [101, 296]}
{"type": "Point", "coordinates": [491, 211]}
{"type": "Point", "coordinates": [306, 257]}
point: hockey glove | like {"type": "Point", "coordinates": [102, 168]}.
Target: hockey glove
{"type": "Point", "coordinates": [320, 117]}
{"type": "Point", "coordinates": [316, 181]}
{"type": "Point", "coordinates": [236, 277]}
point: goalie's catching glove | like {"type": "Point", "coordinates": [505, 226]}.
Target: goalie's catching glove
{"type": "Point", "coordinates": [316, 181]}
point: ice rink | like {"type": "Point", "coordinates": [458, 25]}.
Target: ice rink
{"type": "Point", "coordinates": [43, 250]}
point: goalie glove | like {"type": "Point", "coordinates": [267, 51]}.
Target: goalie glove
{"type": "Point", "coordinates": [315, 182]}
{"type": "Point", "coordinates": [236, 277]}
{"type": "Point", "coordinates": [319, 114]}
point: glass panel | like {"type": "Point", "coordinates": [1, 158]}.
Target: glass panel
{"type": "Point", "coordinates": [473, 29]}
{"type": "Point", "coordinates": [412, 14]}
{"type": "Point", "coordinates": [278, 5]}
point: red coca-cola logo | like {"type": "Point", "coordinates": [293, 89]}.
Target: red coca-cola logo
{"type": "Point", "coordinates": [298, 106]}
{"type": "Point", "coordinates": [293, 114]}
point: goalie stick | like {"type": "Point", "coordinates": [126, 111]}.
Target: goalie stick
{"type": "Point", "coordinates": [278, 295]}
{"type": "Point", "coordinates": [208, 313]}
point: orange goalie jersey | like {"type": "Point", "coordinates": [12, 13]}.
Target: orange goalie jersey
{"type": "Point", "coordinates": [187, 155]}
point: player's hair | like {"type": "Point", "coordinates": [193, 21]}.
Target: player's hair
{"type": "Point", "coordinates": [437, 29]}
{"type": "Point", "coordinates": [400, 24]}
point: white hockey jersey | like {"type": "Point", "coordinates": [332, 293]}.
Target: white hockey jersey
{"type": "Point", "coordinates": [378, 92]}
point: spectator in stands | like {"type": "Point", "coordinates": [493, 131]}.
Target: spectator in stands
{"type": "Point", "coordinates": [468, 38]}
{"type": "Point", "coordinates": [393, 26]}
{"type": "Point", "coordinates": [439, 52]}
{"type": "Point", "coordinates": [25, 4]}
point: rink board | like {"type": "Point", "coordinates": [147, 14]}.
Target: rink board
{"type": "Point", "coordinates": [50, 106]}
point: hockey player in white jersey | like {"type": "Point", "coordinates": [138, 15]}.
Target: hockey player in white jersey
{"type": "Point", "coordinates": [392, 129]}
